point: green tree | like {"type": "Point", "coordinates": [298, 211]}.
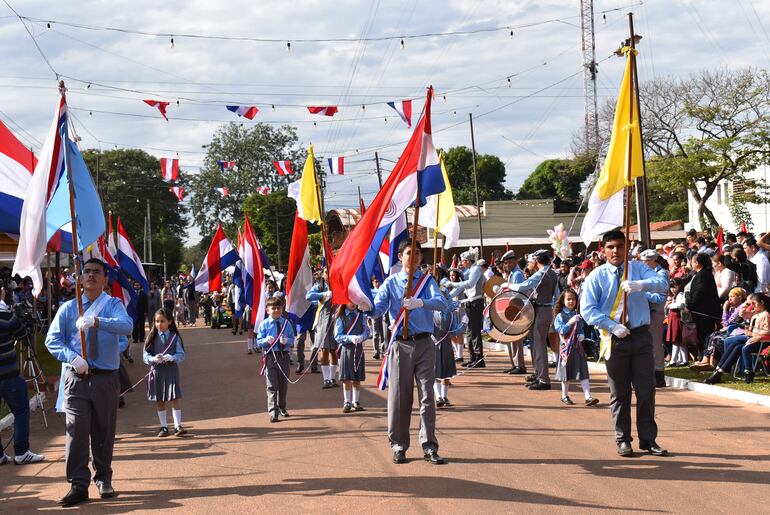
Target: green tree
{"type": "Point", "coordinates": [664, 201]}
{"type": "Point", "coordinates": [127, 179]}
{"type": "Point", "coordinates": [558, 179]}
{"type": "Point", "coordinates": [254, 148]}
{"type": "Point", "coordinates": [491, 176]}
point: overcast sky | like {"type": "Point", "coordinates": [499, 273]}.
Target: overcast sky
{"type": "Point", "coordinates": [523, 124]}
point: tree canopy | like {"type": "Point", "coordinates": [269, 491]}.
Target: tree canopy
{"type": "Point", "coordinates": [491, 176]}
{"type": "Point", "coordinates": [558, 179]}
{"type": "Point", "coordinates": [127, 179]}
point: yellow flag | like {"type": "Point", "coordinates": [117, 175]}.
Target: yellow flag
{"type": "Point", "coordinates": [615, 173]}
{"type": "Point", "coordinates": [308, 191]}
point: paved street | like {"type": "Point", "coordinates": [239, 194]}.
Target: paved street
{"type": "Point", "coordinates": [509, 450]}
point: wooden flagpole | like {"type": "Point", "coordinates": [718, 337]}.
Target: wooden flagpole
{"type": "Point", "coordinates": [78, 264]}
{"type": "Point", "coordinates": [629, 183]}
{"type": "Point", "coordinates": [435, 239]}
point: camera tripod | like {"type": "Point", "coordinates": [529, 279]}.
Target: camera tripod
{"type": "Point", "coordinates": [32, 371]}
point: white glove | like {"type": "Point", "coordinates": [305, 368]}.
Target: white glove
{"type": "Point", "coordinates": [157, 359]}
{"type": "Point", "coordinates": [496, 288]}
{"type": "Point", "coordinates": [84, 323]}
{"type": "Point", "coordinates": [620, 331]}
{"type": "Point", "coordinates": [574, 320]}
{"type": "Point", "coordinates": [168, 358]}
{"type": "Point", "coordinates": [356, 339]}
{"type": "Point", "coordinates": [269, 339]}
{"type": "Point", "coordinates": [631, 286]}
{"type": "Point", "coordinates": [327, 295]}
{"type": "Point", "coordinates": [81, 365]}
{"type": "Point", "coordinates": [464, 319]}
{"type": "Point", "coordinates": [411, 303]}
{"type": "Point", "coordinates": [284, 340]}
{"type": "Point", "coordinates": [363, 308]}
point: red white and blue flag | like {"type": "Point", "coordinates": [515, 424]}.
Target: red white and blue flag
{"type": "Point", "coordinates": [353, 267]}
{"type": "Point", "coordinates": [223, 191]}
{"type": "Point", "coordinates": [120, 287]}
{"type": "Point", "coordinates": [323, 110]}
{"type": "Point", "coordinates": [129, 260]}
{"type": "Point", "coordinates": [336, 165]}
{"type": "Point", "coordinates": [398, 232]}
{"type": "Point", "coordinates": [178, 192]}
{"type": "Point", "coordinates": [227, 165]}
{"type": "Point", "coordinates": [283, 167]}
{"type": "Point", "coordinates": [248, 112]}
{"type": "Point", "coordinates": [299, 278]}
{"type": "Point", "coordinates": [169, 168]}
{"type": "Point", "coordinates": [17, 164]}
{"type": "Point", "coordinates": [220, 255]}
{"type": "Point", "coordinates": [382, 377]}
{"type": "Point", "coordinates": [404, 110]}
{"type": "Point", "coordinates": [263, 190]}
{"type": "Point", "coordinates": [45, 213]}
{"type": "Point", "coordinates": [254, 290]}
{"type": "Point", "coordinates": [160, 106]}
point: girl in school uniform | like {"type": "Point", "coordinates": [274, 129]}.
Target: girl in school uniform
{"type": "Point", "coordinates": [447, 326]}
{"type": "Point", "coordinates": [163, 351]}
{"type": "Point", "coordinates": [571, 361]}
{"type": "Point", "coordinates": [350, 332]}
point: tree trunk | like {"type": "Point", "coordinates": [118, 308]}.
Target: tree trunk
{"type": "Point", "coordinates": [705, 215]}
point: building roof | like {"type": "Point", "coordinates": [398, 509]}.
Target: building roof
{"type": "Point", "coordinates": [668, 225]}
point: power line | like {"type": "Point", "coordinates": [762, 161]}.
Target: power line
{"type": "Point", "coordinates": [40, 50]}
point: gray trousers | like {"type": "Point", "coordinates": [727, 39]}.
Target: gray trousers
{"type": "Point", "coordinates": [516, 354]}
{"type": "Point", "coordinates": [277, 385]}
{"type": "Point", "coordinates": [538, 337]}
{"type": "Point", "coordinates": [91, 409]}
{"type": "Point", "coordinates": [657, 315]}
{"type": "Point", "coordinates": [410, 361]}
{"type": "Point", "coordinates": [631, 363]}
{"type": "Point", "coordinates": [378, 326]}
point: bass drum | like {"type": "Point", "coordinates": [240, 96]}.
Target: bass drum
{"type": "Point", "coordinates": [511, 314]}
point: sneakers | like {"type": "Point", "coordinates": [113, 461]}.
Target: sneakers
{"type": "Point", "coordinates": [5, 459]}
{"type": "Point", "coordinates": [566, 400]}
{"type": "Point", "coordinates": [446, 402]}
{"type": "Point", "coordinates": [439, 402]}
{"type": "Point", "coordinates": [592, 401]}
{"type": "Point", "coordinates": [163, 432]}
{"type": "Point", "coordinates": [334, 383]}
{"type": "Point", "coordinates": [347, 407]}
{"type": "Point", "coordinates": [357, 406]}
{"type": "Point", "coordinates": [179, 431]}
{"type": "Point", "coordinates": [283, 413]}
{"type": "Point", "coordinates": [28, 457]}
{"type": "Point", "coordinates": [327, 384]}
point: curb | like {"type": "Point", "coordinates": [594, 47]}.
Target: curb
{"type": "Point", "coordinates": [677, 383]}
{"type": "Point", "coordinates": [35, 403]}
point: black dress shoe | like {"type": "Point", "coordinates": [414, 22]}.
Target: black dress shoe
{"type": "Point", "coordinates": [714, 378]}
{"type": "Point", "coordinates": [540, 386]}
{"type": "Point", "coordinates": [653, 448]}
{"type": "Point", "coordinates": [518, 371]}
{"type": "Point", "coordinates": [300, 368]}
{"type": "Point", "coordinates": [531, 378]}
{"type": "Point", "coordinates": [274, 417]}
{"type": "Point", "coordinates": [625, 449]}
{"type": "Point", "coordinates": [507, 371]}
{"type": "Point", "coordinates": [315, 371]}
{"type": "Point", "coordinates": [284, 413]}
{"type": "Point", "coordinates": [73, 497]}
{"type": "Point", "coordinates": [105, 490]}
{"type": "Point", "coordinates": [465, 364]}
{"type": "Point", "coordinates": [480, 364]}
{"type": "Point", "coordinates": [376, 355]}
{"type": "Point", "coordinates": [748, 377]}
{"type": "Point", "coordinates": [399, 457]}
{"type": "Point", "coordinates": [660, 379]}
{"type": "Point", "coordinates": [433, 458]}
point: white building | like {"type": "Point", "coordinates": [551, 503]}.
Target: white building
{"type": "Point", "coordinates": [718, 204]}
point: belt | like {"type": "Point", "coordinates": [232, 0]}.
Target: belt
{"type": "Point", "coordinates": [101, 371]}
{"type": "Point", "coordinates": [538, 305]}
{"type": "Point", "coordinates": [640, 328]}
{"type": "Point", "coordinates": [413, 337]}
{"type": "Point", "coordinates": [474, 299]}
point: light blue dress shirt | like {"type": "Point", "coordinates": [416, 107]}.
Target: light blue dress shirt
{"type": "Point", "coordinates": [472, 278]}
{"type": "Point", "coordinates": [562, 325]}
{"type": "Point", "coordinates": [158, 347]}
{"type": "Point", "coordinates": [658, 298]}
{"type": "Point", "coordinates": [344, 321]}
{"type": "Point", "coordinates": [600, 290]}
{"type": "Point", "coordinates": [390, 298]}
{"type": "Point", "coordinates": [271, 327]}
{"type": "Point", "coordinates": [316, 293]}
{"type": "Point", "coordinates": [516, 276]}
{"type": "Point", "coordinates": [63, 338]}
{"type": "Point", "coordinates": [528, 285]}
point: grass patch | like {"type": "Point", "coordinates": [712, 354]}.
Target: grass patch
{"type": "Point", "coordinates": [761, 384]}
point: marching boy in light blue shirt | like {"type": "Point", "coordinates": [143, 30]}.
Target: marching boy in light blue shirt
{"type": "Point", "coordinates": [276, 356]}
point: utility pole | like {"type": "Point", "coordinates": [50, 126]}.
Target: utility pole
{"type": "Point", "coordinates": [642, 213]}
{"type": "Point", "coordinates": [591, 123]}
{"type": "Point", "coordinates": [149, 233]}
{"type": "Point", "coordinates": [278, 238]}
{"type": "Point", "coordinates": [476, 186]}
{"type": "Point", "coordinates": [379, 172]}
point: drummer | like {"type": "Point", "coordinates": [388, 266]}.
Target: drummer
{"type": "Point", "coordinates": [545, 288]}
{"type": "Point", "coordinates": [514, 275]}
{"type": "Point", "coordinates": [473, 286]}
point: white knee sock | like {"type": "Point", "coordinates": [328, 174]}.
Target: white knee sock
{"type": "Point", "coordinates": [177, 413]}
{"type": "Point", "coordinates": [162, 418]}
{"type": "Point", "coordinates": [346, 394]}
{"type": "Point", "coordinates": [326, 372]}
{"type": "Point", "coordinates": [437, 389]}
{"type": "Point", "coordinates": [333, 371]}
{"type": "Point", "coordinates": [564, 389]}
{"type": "Point", "coordinates": [444, 390]}
{"type": "Point", "coordinates": [356, 393]}
{"type": "Point", "coordinates": [586, 388]}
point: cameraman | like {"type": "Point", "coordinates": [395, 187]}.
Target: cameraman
{"type": "Point", "coordinates": [13, 387]}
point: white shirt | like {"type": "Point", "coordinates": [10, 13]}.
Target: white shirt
{"type": "Point", "coordinates": [725, 280]}
{"type": "Point", "coordinates": [763, 271]}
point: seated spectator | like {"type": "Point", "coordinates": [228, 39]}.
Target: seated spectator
{"type": "Point", "coordinates": [732, 317]}
{"type": "Point", "coordinates": [677, 268]}
{"type": "Point", "coordinates": [738, 348]}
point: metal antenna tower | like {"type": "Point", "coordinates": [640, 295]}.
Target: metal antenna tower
{"type": "Point", "coordinates": [591, 129]}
